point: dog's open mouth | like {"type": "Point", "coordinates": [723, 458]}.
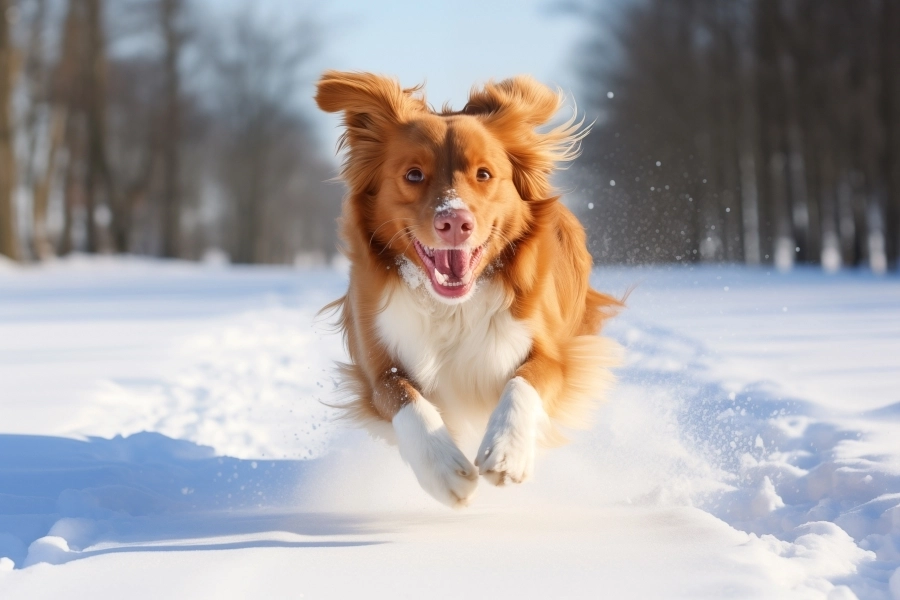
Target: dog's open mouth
{"type": "Point", "coordinates": [452, 272]}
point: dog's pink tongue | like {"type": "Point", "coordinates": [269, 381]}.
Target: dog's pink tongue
{"type": "Point", "coordinates": [452, 262]}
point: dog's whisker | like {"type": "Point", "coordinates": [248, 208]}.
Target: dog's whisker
{"type": "Point", "coordinates": [390, 241]}
{"type": "Point", "coordinates": [496, 231]}
{"type": "Point", "coordinates": [374, 233]}
{"type": "Point", "coordinates": [393, 237]}
{"type": "Point", "coordinates": [411, 239]}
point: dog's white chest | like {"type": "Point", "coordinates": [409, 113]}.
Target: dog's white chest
{"type": "Point", "coordinates": [460, 355]}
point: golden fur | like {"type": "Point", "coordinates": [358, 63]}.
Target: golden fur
{"type": "Point", "coordinates": [534, 245]}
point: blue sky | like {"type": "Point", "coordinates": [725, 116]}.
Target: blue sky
{"type": "Point", "coordinates": [448, 45]}
{"type": "Point", "coordinates": [451, 45]}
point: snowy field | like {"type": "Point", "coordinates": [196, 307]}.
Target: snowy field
{"type": "Point", "coordinates": [161, 436]}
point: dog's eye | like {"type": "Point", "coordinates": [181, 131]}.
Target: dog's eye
{"type": "Point", "coordinates": [415, 176]}
{"type": "Point", "coordinates": [483, 175]}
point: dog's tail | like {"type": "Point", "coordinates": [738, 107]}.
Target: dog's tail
{"type": "Point", "coordinates": [588, 360]}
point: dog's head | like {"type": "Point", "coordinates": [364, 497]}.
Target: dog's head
{"type": "Point", "coordinates": [450, 191]}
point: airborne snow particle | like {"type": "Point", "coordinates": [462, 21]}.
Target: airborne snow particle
{"type": "Point", "coordinates": [658, 163]}
{"type": "Point", "coordinates": [609, 95]}
{"type": "Point", "coordinates": [612, 182]}
{"type": "Point", "coordinates": [590, 205]}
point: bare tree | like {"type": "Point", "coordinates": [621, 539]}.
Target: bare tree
{"type": "Point", "coordinates": [889, 48]}
{"type": "Point", "coordinates": [154, 147]}
{"type": "Point", "coordinates": [9, 242]}
{"type": "Point", "coordinates": [772, 126]}
{"type": "Point", "coordinates": [44, 126]}
{"type": "Point", "coordinates": [133, 136]}
{"type": "Point", "coordinates": [68, 97]}
{"type": "Point", "coordinates": [264, 143]}
{"type": "Point", "coordinates": [174, 36]}
{"type": "Point", "coordinates": [98, 175]}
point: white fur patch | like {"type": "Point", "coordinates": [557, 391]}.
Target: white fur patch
{"type": "Point", "coordinates": [461, 356]}
{"type": "Point", "coordinates": [507, 451]}
{"type": "Point", "coordinates": [441, 468]}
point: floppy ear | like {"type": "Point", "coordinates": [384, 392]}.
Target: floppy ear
{"type": "Point", "coordinates": [372, 105]}
{"type": "Point", "coordinates": [521, 99]}
{"type": "Point", "coordinates": [513, 109]}
{"type": "Point", "coordinates": [357, 94]}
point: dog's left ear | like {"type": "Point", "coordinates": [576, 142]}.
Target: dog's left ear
{"type": "Point", "coordinates": [513, 109]}
{"type": "Point", "coordinates": [368, 101]}
{"type": "Point", "coordinates": [520, 100]}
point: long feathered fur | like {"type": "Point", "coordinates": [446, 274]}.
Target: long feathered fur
{"type": "Point", "coordinates": [543, 262]}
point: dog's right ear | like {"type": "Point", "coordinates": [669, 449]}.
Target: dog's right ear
{"type": "Point", "coordinates": [373, 107]}
{"type": "Point", "coordinates": [368, 101]}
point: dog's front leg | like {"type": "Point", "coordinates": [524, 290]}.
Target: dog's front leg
{"type": "Point", "coordinates": [507, 451]}
{"type": "Point", "coordinates": [425, 444]}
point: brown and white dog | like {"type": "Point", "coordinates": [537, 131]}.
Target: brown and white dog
{"type": "Point", "coordinates": [469, 316]}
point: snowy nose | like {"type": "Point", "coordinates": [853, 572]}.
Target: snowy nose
{"type": "Point", "coordinates": [454, 226]}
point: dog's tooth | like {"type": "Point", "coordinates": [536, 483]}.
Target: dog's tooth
{"type": "Point", "coordinates": [440, 277]}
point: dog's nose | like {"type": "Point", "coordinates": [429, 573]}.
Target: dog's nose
{"type": "Point", "coordinates": [454, 226]}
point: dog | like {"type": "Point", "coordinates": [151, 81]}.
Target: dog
{"type": "Point", "coordinates": [469, 318]}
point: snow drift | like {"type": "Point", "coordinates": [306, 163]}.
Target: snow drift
{"type": "Point", "coordinates": [161, 432]}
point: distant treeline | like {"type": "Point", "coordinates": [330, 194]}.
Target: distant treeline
{"type": "Point", "coordinates": [157, 127]}
{"type": "Point", "coordinates": [756, 131]}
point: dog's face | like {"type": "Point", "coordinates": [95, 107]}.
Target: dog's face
{"type": "Point", "coordinates": [447, 192]}
{"type": "Point", "coordinates": [446, 201]}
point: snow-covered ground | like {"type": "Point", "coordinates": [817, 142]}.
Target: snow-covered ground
{"type": "Point", "coordinates": [161, 435]}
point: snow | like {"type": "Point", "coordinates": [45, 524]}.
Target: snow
{"type": "Point", "coordinates": [412, 275]}
{"type": "Point", "coordinates": [161, 434]}
{"type": "Point", "coordinates": [450, 201]}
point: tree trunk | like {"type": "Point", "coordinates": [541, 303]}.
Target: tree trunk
{"type": "Point", "coordinates": [749, 160]}
{"type": "Point", "coordinates": [775, 221]}
{"type": "Point", "coordinates": [9, 241]}
{"type": "Point", "coordinates": [171, 224]}
{"type": "Point", "coordinates": [35, 75]}
{"type": "Point", "coordinates": [803, 211]}
{"type": "Point", "coordinates": [99, 176]}
{"type": "Point", "coordinates": [71, 186]}
{"type": "Point", "coordinates": [70, 95]}
{"type": "Point", "coordinates": [729, 90]}
{"type": "Point", "coordinates": [43, 249]}
{"type": "Point", "coordinates": [888, 106]}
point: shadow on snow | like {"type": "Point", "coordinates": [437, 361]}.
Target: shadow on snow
{"type": "Point", "coordinates": [146, 488]}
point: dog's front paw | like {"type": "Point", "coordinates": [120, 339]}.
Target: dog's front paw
{"type": "Point", "coordinates": [507, 451]}
{"type": "Point", "coordinates": [440, 467]}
